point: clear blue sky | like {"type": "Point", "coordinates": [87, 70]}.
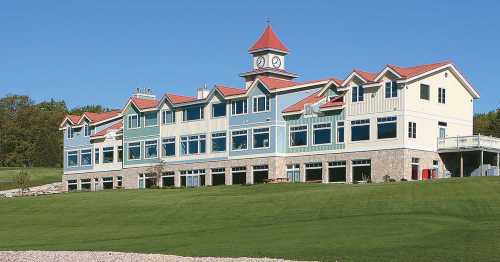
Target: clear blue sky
{"type": "Point", "coordinates": [98, 52]}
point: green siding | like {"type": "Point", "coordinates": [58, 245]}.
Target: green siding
{"type": "Point", "coordinates": [330, 117]}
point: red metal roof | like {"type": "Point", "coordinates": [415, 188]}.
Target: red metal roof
{"type": "Point", "coordinates": [366, 75]}
{"type": "Point", "coordinates": [268, 40]}
{"type": "Point", "coordinates": [74, 118]}
{"type": "Point", "coordinates": [299, 106]}
{"type": "Point", "coordinates": [177, 99]}
{"type": "Point", "coordinates": [98, 117]}
{"type": "Point", "coordinates": [145, 103]}
{"type": "Point", "coordinates": [276, 83]}
{"type": "Point", "coordinates": [116, 126]}
{"type": "Point", "coordinates": [230, 91]}
{"type": "Point", "coordinates": [408, 72]}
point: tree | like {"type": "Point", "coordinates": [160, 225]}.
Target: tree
{"type": "Point", "coordinates": [23, 181]}
{"type": "Point", "coordinates": [157, 170]}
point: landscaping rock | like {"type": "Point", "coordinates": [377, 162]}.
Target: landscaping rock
{"type": "Point", "coordinates": [47, 189]}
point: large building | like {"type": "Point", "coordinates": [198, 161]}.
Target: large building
{"type": "Point", "coordinates": [368, 126]}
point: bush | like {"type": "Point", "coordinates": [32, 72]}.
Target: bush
{"type": "Point", "coordinates": [23, 181]}
{"type": "Point", "coordinates": [386, 178]}
{"type": "Point", "coordinates": [404, 179]}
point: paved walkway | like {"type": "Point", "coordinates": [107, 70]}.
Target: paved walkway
{"type": "Point", "coordinates": [47, 189]}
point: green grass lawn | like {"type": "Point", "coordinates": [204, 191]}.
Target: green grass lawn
{"type": "Point", "coordinates": [39, 176]}
{"type": "Point", "coordinates": [447, 220]}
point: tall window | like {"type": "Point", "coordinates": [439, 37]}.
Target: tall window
{"type": "Point", "coordinates": [387, 127]}
{"type": "Point", "coordinates": [260, 104]}
{"type": "Point", "coordinates": [425, 91]}
{"type": "Point", "coordinates": [239, 107]}
{"type": "Point", "coordinates": [298, 135]}
{"type": "Point", "coordinates": [360, 130]}
{"type": "Point", "coordinates": [239, 140]}
{"type": "Point", "coordinates": [150, 119]}
{"type": "Point", "coordinates": [192, 113]}
{"type": "Point", "coordinates": [120, 154]}
{"type": "Point", "coordinates": [391, 89]}
{"type": "Point", "coordinates": [168, 117]}
{"type": "Point", "coordinates": [322, 133]}
{"type": "Point", "coordinates": [168, 146]}
{"type": "Point", "coordinates": [219, 110]}
{"type": "Point", "coordinates": [86, 157]}
{"type": "Point", "coordinates": [133, 121]}
{"type": "Point", "coordinates": [97, 156]}
{"type": "Point", "coordinates": [70, 133]}
{"type": "Point", "coordinates": [340, 132]}
{"type": "Point", "coordinates": [72, 158]}
{"type": "Point", "coordinates": [412, 130]}
{"type": "Point", "coordinates": [134, 151]}
{"type": "Point", "coordinates": [219, 142]}
{"type": "Point", "coordinates": [86, 130]}
{"type": "Point", "coordinates": [357, 93]}
{"type": "Point", "coordinates": [151, 149]}
{"type": "Point", "coordinates": [193, 144]}
{"type": "Point", "coordinates": [442, 129]}
{"type": "Point", "coordinates": [108, 154]}
{"type": "Point", "coordinates": [261, 137]}
{"type": "Point", "coordinates": [441, 95]}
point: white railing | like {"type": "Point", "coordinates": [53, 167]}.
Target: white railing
{"type": "Point", "coordinates": [469, 142]}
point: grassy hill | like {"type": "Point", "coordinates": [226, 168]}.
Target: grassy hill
{"type": "Point", "coordinates": [447, 220]}
{"type": "Point", "coordinates": [39, 176]}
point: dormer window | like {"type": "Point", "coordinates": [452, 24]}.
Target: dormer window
{"type": "Point", "coordinates": [260, 104]}
{"type": "Point", "coordinates": [239, 107]}
{"type": "Point", "coordinates": [391, 89]}
{"type": "Point", "coordinates": [357, 93]}
{"type": "Point", "coordinates": [70, 133]}
{"type": "Point", "coordinates": [192, 113]}
{"type": "Point", "coordinates": [133, 121]}
{"type": "Point", "coordinates": [86, 130]}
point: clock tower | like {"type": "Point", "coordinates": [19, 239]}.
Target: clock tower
{"type": "Point", "coordinates": [268, 58]}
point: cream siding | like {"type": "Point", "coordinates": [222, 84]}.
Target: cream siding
{"type": "Point", "coordinates": [374, 100]}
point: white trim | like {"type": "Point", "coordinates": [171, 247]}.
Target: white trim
{"type": "Point", "coordinates": [128, 150]}
{"type": "Point", "coordinates": [267, 104]}
{"type": "Point", "coordinates": [231, 139]}
{"type": "Point", "coordinates": [269, 137]}
{"type": "Point", "coordinates": [91, 157]}
{"type": "Point", "coordinates": [157, 120]}
{"type": "Point", "coordinates": [212, 110]}
{"type": "Point", "coordinates": [157, 147]}
{"type": "Point", "coordinates": [246, 106]}
{"type": "Point", "coordinates": [290, 135]}
{"type": "Point", "coordinates": [337, 131]}
{"type": "Point", "coordinates": [211, 141]}
{"type": "Point", "coordinates": [77, 159]}
{"type": "Point", "coordinates": [383, 72]}
{"type": "Point", "coordinates": [137, 123]}
{"type": "Point", "coordinates": [313, 134]}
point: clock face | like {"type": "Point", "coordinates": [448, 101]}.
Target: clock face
{"type": "Point", "coordinates": [260, 61]}
{"type": "Point", "coordinates": [276, 62]}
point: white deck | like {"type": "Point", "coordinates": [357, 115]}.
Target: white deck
{"type": "Point", "coordinates": [464, 143]}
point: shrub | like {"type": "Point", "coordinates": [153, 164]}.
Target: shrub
{"type": "Point", "coordinates": [23, 180]}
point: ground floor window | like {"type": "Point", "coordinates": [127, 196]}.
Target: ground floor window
{"type": "Point", "coordinates": [107, 183]}
{"type": "Point", "coordinates": [119, 181]}
{"type": "Point", "coordinates": [260, 174]}
{"type": "Point", "coordinates": [314, 172]}
{"type": "Point", "coordinates": [218, 176]}
{"type": "Point", "coordinates": [414, 168]}
{"type": "Point", "coordinates": [147, 180]}
{"type": "Point", "coordinates": [85, 184]}
{"type": "Point", "coordinates": [293, 173]}
{"type": "Point", "coordinates": [168, 179]}
{"type": "Point", "coordinates": [239, 175]}
{"type": "Point", "coordinates": [193, 178]}
{"type": "Point", "coordinates": [361, 170]}
{"type": "Point", "coordinates": [337, 172]}
{"type": "Point", "coordinates": [72, 185]}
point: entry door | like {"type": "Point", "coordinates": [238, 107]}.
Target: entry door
{"type": "Point", "coordinates": [293, 175]}
{"type": "Point", "coordinates": [192, 181]}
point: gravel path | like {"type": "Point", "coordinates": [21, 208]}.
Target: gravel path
{"type": "Point", "coordinates": [85, 256]}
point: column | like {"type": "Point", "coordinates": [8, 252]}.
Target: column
{"type": "Point", "coordinates": [324, 172]}
{"type": "Point", "coordinates": [249, 175]}
{"type": "Point", "coordinates": [177, 179]}
{"type": "Point", "coordinates": [461, 165]}
{"type": "Point", "coordinates": [92, 184]}
{"type": "Point", "coordinates": [208, 177]}
{"type": "Point", "coordinates": [79, 185]}
{"type": "Point", "coordinates": [229, 178]}
{"type": "Point", "coordinates": [302, 172]}
{"type": "Point", "coordinates": [482, 160]}
{"type": "Point", "coordinates": [348, 171]}
{"type": "Point", "coordinates": [498, 163]}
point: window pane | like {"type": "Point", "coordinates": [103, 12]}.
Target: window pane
{"type": "Point", "coordinates": [386, 130]}
{"type": "Point", "coordinates": [72, 159]}
{"type": "Point", "coordinates": [361, 132]}
{"type": "Point", "coordinates": [134, 151]}
{"type": "Point", "coordinates": [219, 144]}
{"type": "Point", "coordinates": [151, 149]}
{"type": "Point", "coordinates": [340, 134]}
{"type": "Point", "coordinates": [86, 157]}
{"type": "Point", "coordinates": [261, 140]}
{"type": "Point", "coordinates": [424, 92]}
{"type": "Point", "coordinates": [239, 142]}
{"type": "Point", "coordinates": [193, 113]}
{"type": "Point", "coordinates": [168, 117]}
{"type": "Point", "coordinates": [219, 110]}
{"type": "Point", "coordinates": [193, 147]}
{"type": "Point", "coordinates": [298, 138]}
{"type": "Point", "coordinates": [151, 118]}
{"type": "Point", "coordinates": [322, 136]}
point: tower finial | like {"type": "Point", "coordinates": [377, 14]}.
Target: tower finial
{"type": "Point", "coordinates": [268, 21]}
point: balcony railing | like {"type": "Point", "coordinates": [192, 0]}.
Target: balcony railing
{"type": "Point", "coordinates": [465, 142]}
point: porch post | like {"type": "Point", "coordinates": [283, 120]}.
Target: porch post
{"type": "Point", "coordinates": [482, 159]}
{"type": "Point", "coordinates": [461, 165]}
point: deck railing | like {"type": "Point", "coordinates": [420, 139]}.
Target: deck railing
{"type": "Point", "coordinates": [476, 141]}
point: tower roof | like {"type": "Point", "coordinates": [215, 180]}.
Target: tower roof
{"type": "Point", "coordinates": [268, 40]}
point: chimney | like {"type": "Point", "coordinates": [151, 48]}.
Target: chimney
{"type": "Point", "coordinates": [202, 92]}
{"type": "Point", "coordinates": [144, 93]}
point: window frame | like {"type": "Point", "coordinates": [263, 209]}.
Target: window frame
{"type": "Point", "coordinates": [261, 132]}
{"type": "Point", "coordinates": [245, 107]}
{"type": "Point", "coordinates": [338, 127]}
{"type": "Point", "coordinates": [365, 121]}
{"type": "Point", "coordinates": [218, 137]}
{"type": "Point", "coordinates": [360, 96]}
{"type": "Point", "coordinates": [441, 95]}
{"type": "Point", "coordinates": [392, 88]}
{"type": "Point", "coordinates": [86, 130]}
{"type": "Point", "coordinates": [218, 104]}
{"type": "Point", "coordinates": [138, 122]}
{"type": "Point", "coordinates": [135, 146]}
{"type": "Point", "coordinates": [412, 130]}
{"type": "Point", "coordinates": [87, 152]}
{"type": "Point", "coordinates": [168, 140]}
{"type": "Point", "coordinates": [321, 128]}
{"type": "Point", "coordinates": [290, 135]}
{"type": "Point", "coordinates": [246, 143]}
{"type": "Point", "coordinates": [146, 145]}
{"type": "Point", "coordinates": [70, 134]}
{"type": "Point", "coordinates": [163, 117]}
{"type": "Point", "coordinates": [255, 104]}
{"type": "Point", "coordinates": [97, 156]}
{"type": "Point", "coordinates": [385, 120]}
{"type": "Point", "coordinates": [73, 152]}
{"type": "Point", "coordinates": [189, 139]}
{"type": "Point", "coordinates": [428, 98]}
{"type": "Point", "coordinates": [106, 150]}
{"type": "Point", "coordinates": [145, 119]}
{"type": "Point", "coordinates": [202, 113]}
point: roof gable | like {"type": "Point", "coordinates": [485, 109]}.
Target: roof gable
{"type": "Point", "coordinates": [268, 40]}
